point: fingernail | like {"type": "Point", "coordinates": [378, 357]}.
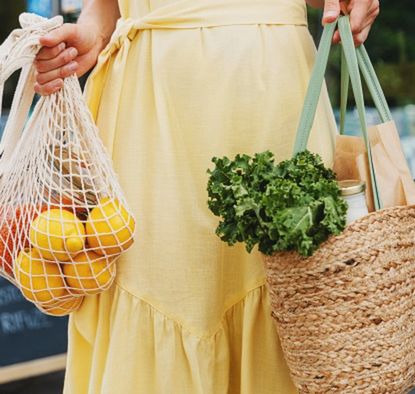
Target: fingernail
{"type": "Point", "coordinates": [62, 46]}
{"type": "Point", "coordinates": [73, 52]}
{"type": "Point", "coordinates": [331, 15]}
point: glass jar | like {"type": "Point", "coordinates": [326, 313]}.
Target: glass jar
{"type": "Point", "coordinates": [353, 192]}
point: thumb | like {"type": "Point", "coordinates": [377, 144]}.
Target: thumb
{"type": "Point", "coordinates": [331, 11]}
{"type": "Point", "coordinates": [65, 33]}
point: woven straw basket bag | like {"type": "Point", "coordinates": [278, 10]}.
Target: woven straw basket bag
{"type": "Point", "coordinates": [346, 315]}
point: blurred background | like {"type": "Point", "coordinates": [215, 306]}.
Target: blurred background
{"type": "Point", "coordinates": [32, 346]}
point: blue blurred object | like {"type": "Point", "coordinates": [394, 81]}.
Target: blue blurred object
{"type": "Point", "coordinates": [45, 8]}
{"type": "Point", "coordinates": [3, 121]}
{"type": "Point", "coordinates": [71, 6]}
{"type": "Point", "coordinates": [404, 118]}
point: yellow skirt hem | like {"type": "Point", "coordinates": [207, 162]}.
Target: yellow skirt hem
{"type": "Point", "coordinates": [133, 343]}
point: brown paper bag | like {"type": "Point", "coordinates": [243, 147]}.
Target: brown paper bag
{"type": "Point", "coordinates": [394, 179]}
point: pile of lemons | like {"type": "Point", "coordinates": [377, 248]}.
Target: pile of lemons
{"type": "Point", "coordinates": [69, 259]}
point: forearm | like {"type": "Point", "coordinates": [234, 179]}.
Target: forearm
{"type": "Point", "coordinates": [101, 15]}
{"type": "Point", "coordinates": [315, 3]}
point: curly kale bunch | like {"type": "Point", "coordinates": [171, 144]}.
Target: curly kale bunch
{"type": "Point", "coordinates": [293, 205]}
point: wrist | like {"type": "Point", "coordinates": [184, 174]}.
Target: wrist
{"type": "Point", "coordinates": [99, 18]}
{"type": "Point", "coordinates": [100, 35]}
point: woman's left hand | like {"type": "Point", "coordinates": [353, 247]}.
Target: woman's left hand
{"type": "Point", "coordinates": [362, 15]}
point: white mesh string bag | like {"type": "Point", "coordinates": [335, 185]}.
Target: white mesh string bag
{"type": "Point", "coordinates": [63, 217]}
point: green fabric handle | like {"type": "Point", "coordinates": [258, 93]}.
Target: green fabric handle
{"type": "Point", "coordinates": [316, 83]}
{"type": "Point", "coordinates": [372, 83]}
{"type": "Point", "coordinates": [344, 91]}
{"type": "Point", "coordinates": [353, 67]}
{"type": "Point", "coordinates": [314, 89]}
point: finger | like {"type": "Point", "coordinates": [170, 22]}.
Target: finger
{"type": "Point", "coordinates": [65, 33]}
{"type": "Point", "coordinates": [358, 38]}
{"type": "Point", "coordinates": [58, 73]}
{"type": "Point", "coordinates": [336, 37]}
{"type": "Point", "coordinates": [369, 20]}
{"type": "Point", "coordinates": [358, 14]}
{"type": "Point", "coordinates": [343, 6]}
{"type": "Point", "coordinates": [361, 37]}
{"type": "Point", "coordinates": [331, 11]}
{"type": "Point", "coordinates": [49, 88]}
{"type": "Point", "coordinates": [63, 58]}
{"type": "Point", "coordinates": [49, 53]}
{"type": "Point", "coordinates": [374, 11]}
{"type": "Point", "coordinates": [371, 5]}
{"type": "Point", "coordinates": [375, 7]}
{"type": "Point", "coordinates": [86, 62]}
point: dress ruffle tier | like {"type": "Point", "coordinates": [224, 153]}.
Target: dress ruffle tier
{"type": "Point", "coordinates": [132, 347]}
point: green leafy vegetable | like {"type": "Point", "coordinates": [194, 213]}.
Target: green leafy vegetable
{"type": "Point", "coordinates": [293, 205]}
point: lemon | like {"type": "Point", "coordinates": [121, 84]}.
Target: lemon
{"type": "Point", "coordinates": [39, 280]}
{"type": "Point", "coordinates": [57, 234]}
{"type": "Point", "coordinates": [89, 273]}
{"type": "Point", "coordinates": [64, 307]}
{"type": "Point", "coordinates": [110, 228]}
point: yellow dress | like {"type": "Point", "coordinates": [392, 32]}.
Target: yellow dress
{"type": "Point", "coordinates": [183, 81]}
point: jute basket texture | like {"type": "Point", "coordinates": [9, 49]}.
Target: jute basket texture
{"type": "Point", "coordinates": [346, 315]}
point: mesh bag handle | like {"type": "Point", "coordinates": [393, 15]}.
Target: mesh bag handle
{"type": "Point", "coordinates": [18, 52]}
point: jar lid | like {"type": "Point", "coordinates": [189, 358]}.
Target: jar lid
{"type": "Point", "coordinates": [350, 187]}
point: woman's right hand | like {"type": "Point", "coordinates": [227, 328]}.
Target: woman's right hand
{"type": "Point", "coordinates": [70, 49]}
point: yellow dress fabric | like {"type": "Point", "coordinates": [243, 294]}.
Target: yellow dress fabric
{"type": "Point", "coordinates": [181, 82]}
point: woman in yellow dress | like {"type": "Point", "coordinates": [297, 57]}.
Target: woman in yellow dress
{"type": "Point", "coordinates": [178, 82]}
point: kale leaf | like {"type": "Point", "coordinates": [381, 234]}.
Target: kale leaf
{"type": "Point", "coordinates": [293, 205]}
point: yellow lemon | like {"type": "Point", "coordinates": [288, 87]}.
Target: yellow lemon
{"type": "Point", "coordinates": [39, 280]}
{"type": "Point", "coordinates": [110, 228]}
{"type": "Point", "coordinates": [57, 234]}
{"type": "Point", "coordinates": [64, 307]}
{"type": "Point", "coordinates": [89, 273]}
